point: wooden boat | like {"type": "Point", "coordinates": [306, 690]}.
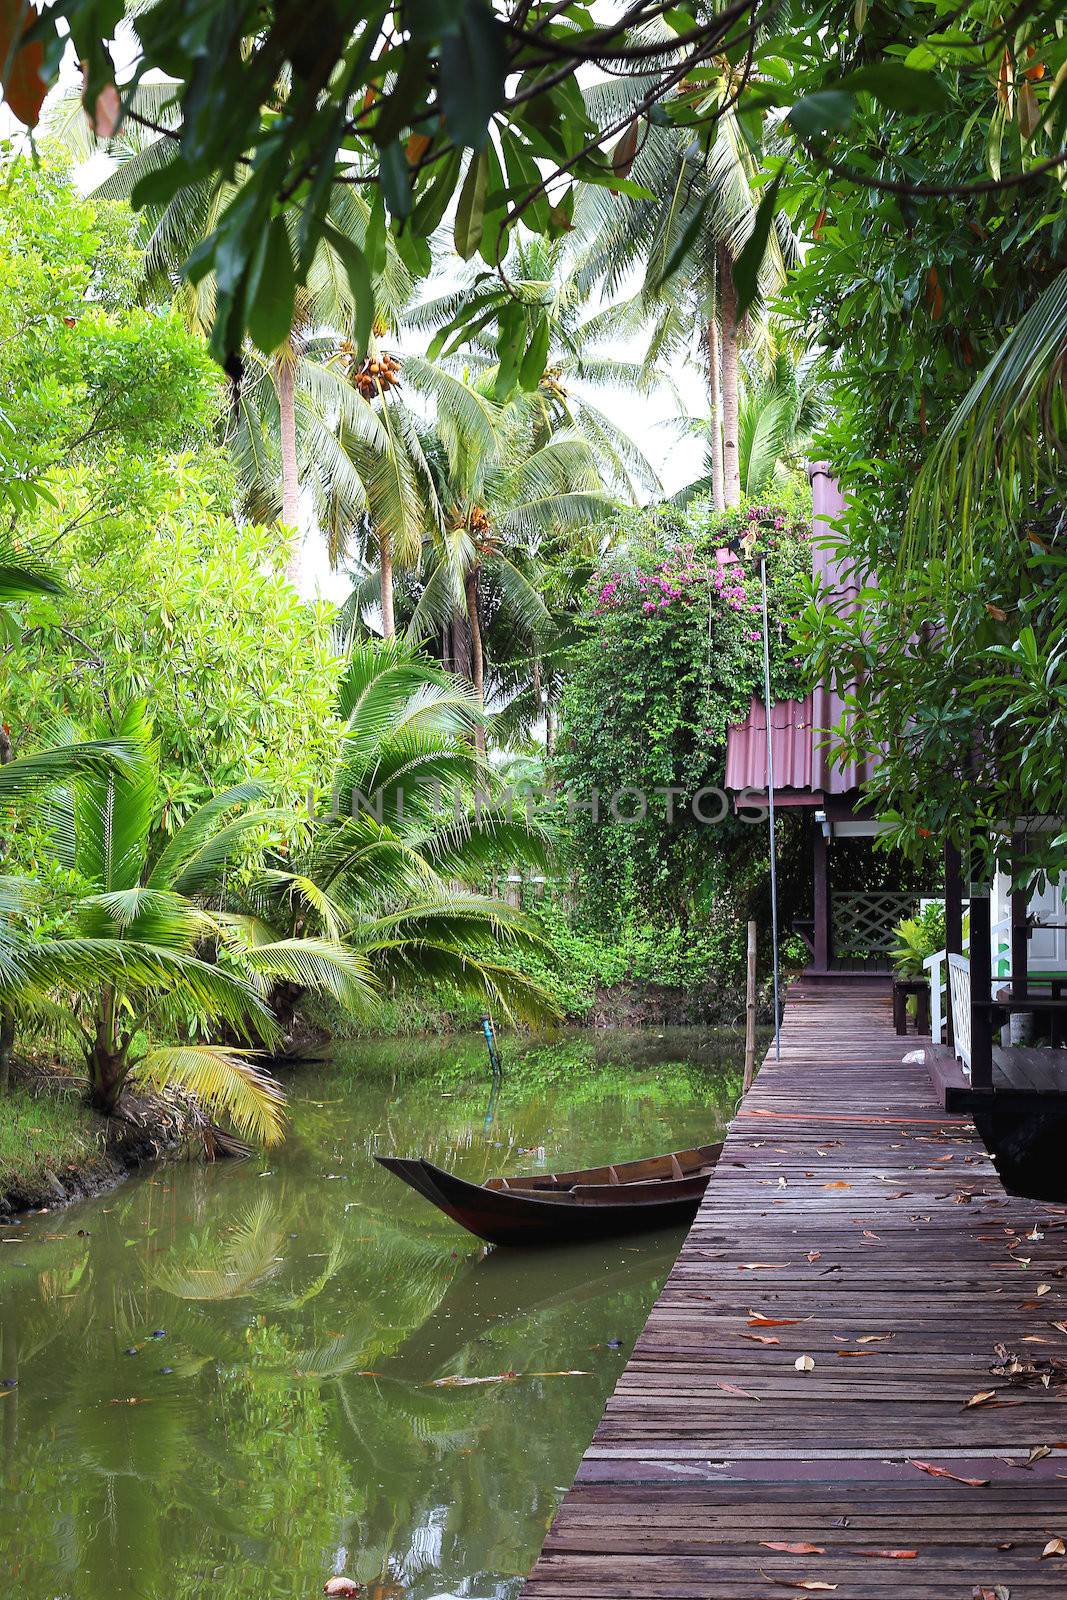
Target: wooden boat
{"type": "Point", "coordinates": [560, 1207]}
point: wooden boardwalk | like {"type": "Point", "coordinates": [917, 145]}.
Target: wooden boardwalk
{"type": "Point", "coordinates": [853, 1225]}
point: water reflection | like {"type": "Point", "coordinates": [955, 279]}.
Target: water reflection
{"type": "Point", "coordinates": [231, 1377]}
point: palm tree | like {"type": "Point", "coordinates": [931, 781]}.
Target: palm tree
{"type": "Point", "coordinates": [501, 508]}
{"type": "Point", "coordinates": [281, 427]}
{"type": "Point", "coordinates": [393, 869]}
{"type": "Point", "coordinates": [132, 966]}
{"type": "Point", "coordinates": [686, 240]}
{"type": "Point", "coordinates": [779, 408]}
{"type": "Point", "coordinates": [579, 359]}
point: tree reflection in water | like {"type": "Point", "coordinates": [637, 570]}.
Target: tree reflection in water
{"type": "Point", "coordinates": [226, 1375]}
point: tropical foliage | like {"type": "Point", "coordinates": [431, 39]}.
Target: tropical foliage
{"type": "Point", "coordinates": [673, 656]}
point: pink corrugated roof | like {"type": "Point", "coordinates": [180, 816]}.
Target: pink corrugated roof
{"type": "Point", "coordinates": [791, 747]}
{"type": "Point", "coordinates": [799, 727]}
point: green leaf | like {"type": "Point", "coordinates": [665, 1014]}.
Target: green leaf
{"type": "Point", "coordinates": [270, 289]}
{"type": "Point", "coordinates": [533, 362]}
{"type": "Point", "coordinates": [355, 264]}
{"type": "Point", "coordinates": [471, 78]}
{"type": "Point", "coordinates": [433, 200]}
{"type": "Point", "coordinates": [822, 111]}
{"type": "Point", "coordinates": [470, 212]}
{"type": "Point", "coordinates": [747, 266]}
{"type": "Point", "coordinates": [900, 87]}
{"type": "Point", "coordinates": [685, 243]}
{"type": "Point", "coordinates": [375, 242]}
{"type": "Point", "coordinates": [396, 179]}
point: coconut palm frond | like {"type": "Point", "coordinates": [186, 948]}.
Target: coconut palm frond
{"type": "Point", "coordinates": [1005, 438]}
{"type": "Point", "coordinates": [227, 1082]}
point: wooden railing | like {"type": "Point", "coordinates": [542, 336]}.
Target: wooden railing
{"type": "Point", "coordinates": [937, 967]}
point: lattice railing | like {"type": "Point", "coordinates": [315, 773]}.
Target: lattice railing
{"type": "Point", "coordinates": [959, 983]}
{"type": "Point", "coordinates": [864, 921]}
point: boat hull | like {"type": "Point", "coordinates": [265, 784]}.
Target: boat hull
{"type": "Point", "coordinates": [506, 1217]}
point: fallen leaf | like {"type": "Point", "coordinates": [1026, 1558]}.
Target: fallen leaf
{"type": "Point", "coordinates": [854, 1352]}
{"type": "Point", "coordinates": [760, 1338]}
{"type": "Point", "coordinates": [457, 1381]}
{"type": "Point", "coordinates": [814, 1255]}
{"type": "Point", "coordinates": [755, 1320]}
{"type": "Point", "coordinates": [890, 1555]}
{"type": "Point", "coordinates": [796, 1583]}
{"type": "Point", "coordinates": [1055, 1547]}
{"type": "Point", "coordinates": [980, 1399]}
{"type": "Point", "coordinates": [943, 1472]}
{"type": "Point", "coordinates": [874, 1338]}
{"type": "Point", "coordinates": [839, 1183]}
{"type": "Point", "coordinates": [1038, 1453]}
{"type": "Point", "coordinates": [804, 1363]}
{"type": "Point", "coordinates": [1044, 1288]}
{"type": "Point", "coordinates": [762, 1266]}
{"type": "Point", "coordinates": [731, 1388]}
{"type": "Point", "coordinates": [794, 1549]}
{"type": "Point", "coordinates": [867, 1234]}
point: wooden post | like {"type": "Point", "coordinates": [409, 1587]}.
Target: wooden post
{"type": "Point", "coordinates": [981, 990]}
{"type": "Point", "coordinates": [821, 934]}
{"type": "Point", "coordinates": [1019, 918]}
{"type": "Point", "coordinates": [953, 926]}
{"type": "Point", "coordinates": [750, 1011]}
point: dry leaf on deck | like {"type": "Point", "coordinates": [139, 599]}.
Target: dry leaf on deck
{"type": "Point", "coordinates": [943, 1472]}
{"type": "Point", "coordinates": [731, 1388]}
{"type": "Point", "coordinates": [804, 1363]}
{"type": "Point", "coordinates": [755, 1320]}
{"type": "Point", "coordinates": [814, 1255]}
{"type": "Point", "coordinates": [838, 1183]}
{"type": "Point", "coordinates": [890, 1555]}
{"type": "Point", "coordinates": [980, 1399]}
{"type": "Point", "coordinates": [874, 1338]}
{"type": "Point", "coordinates": [1055, 1547]}
{"type": "Point", "coordinates": [1038, 1453]}
{"type": "Point", "coordinates": [760, 1338]}
{"type": "Point", "coordinates": [796, 1583]}
{"type": "Point", "coordinates": [794, 1549]}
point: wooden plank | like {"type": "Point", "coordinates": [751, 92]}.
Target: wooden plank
{"type": "Point", "coordinates": [853, 1226]}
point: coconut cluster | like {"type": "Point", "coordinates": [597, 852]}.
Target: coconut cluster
{"type": "Point", "coordinates": [374, 375]}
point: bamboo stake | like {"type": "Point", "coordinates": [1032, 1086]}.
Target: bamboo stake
{"type": "Point", "coordinates": [750, 1011]}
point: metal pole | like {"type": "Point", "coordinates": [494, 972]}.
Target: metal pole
{"type": "Point", "coordinates": [750, 1012]}
{"type": "Point", "coordinates": [770, 806]}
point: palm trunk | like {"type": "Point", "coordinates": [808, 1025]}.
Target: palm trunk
{"type": "Point", "coordinates": [385, 566]}
{"type": "Point", "coordinates": [105, 1061]}
{"type": "Point", "coordinates": [285, 383]}
{"type": "Point", "coordinates": [718, 485]}
{"type": "Point", "coordinates": [461, 650]}
{"type": "Point", "coordinates": [477, 656]}
{"type": "Point", "coordinates": [730, 342]}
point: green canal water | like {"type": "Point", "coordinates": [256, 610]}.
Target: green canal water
{"type": "Point", "coordinates": [229, 1376]}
